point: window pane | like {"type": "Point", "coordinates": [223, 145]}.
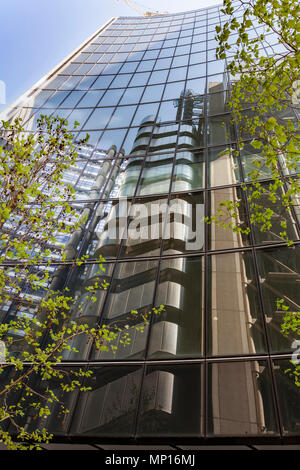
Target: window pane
{"type": "Point", "coordinates": [145, 227]}
{"type": "Point", "coordinates": [235, 323]}
{"type": "Point", "coordinates": [109, 408]}
{"type": "Point", "coordinates": [129, 175]}
{"type": "Point", "coordinates": [216, 66]}
{"type": "Point", "coordinates": [132, 95]}
{"type": "Point", "coordinates": [139, 79]}
{"type": "Point", "coordinates": [56, 99]}
{"type": "Point", "coordinates": [279, 276]}
{"type": "Point", "coordinates": [156, 175]}
{"type": "Point", "coordinates": [102, 82]}
{"type": "Point", "coordinates": [219, 130]}
{"type": "Point", "coordinates": [122, 116]}
{"type": "Point", "coordinates": [180, 61]}
{"type": "Point", "coordinates": [173, 90]}
{"type": "Point", "coordinates": [240, 399]}
{"type": "Point", "coordinates": [91, 99]}
{"type": "Point", "coordinates": [145, 112]}
{"type": "Point", "coordinates": [231, 235]}
{"type": "Point", "coordinates": [152, 93]}
{"type": "Point", "coordinates": [217, 102]}
{"type": "Point", "coordinates": [171, 401]}
{"type": "Point", "coordinates": [267, 202]}
{"type": "Point", "coordinates": [222, 166]}
{"type": "Point", "coordinates": [196, 71]}
{"type": "Point", "coordinates": [178, 73]}
{"type": "Point", "coordinates": [99, 118]}
{"type": "Point", "coordinates": [111, 97]}
{"type": "Point", "coordinates": [159, 76]}
{"type": "Point", "coordinates": [217, 83]}
{"type": "Point", "coordinates": [109, 138]}
{"type": "Point", "coordinates": [184, 229]}
{"type": "Point", "coordinates": [249, 157]}
{"type": "Point", "coordinates": [121, 81]}
{"type": "Point", "coordinates": [164, 137]}
{"type": "Point", "coordinates": [288, 395]}
{"type": "Point", "coordinates": [196, 86]}
{"type": "Point", "coordinates": [131, 289]}
{"type": "Point", "coordinates": [188, 171]}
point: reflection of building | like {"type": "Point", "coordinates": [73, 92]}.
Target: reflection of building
{"type": "Point", "coordinates": [153, 98]}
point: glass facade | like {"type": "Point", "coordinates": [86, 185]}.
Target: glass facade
{"type": "Point", "coordinates": [152, 96]}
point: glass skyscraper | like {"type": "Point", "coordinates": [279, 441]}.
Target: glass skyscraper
{"type": "Point", "coordinates": [211, 369]}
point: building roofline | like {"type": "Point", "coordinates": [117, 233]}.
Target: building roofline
{"type": "Point", "coordinates": [6, 112]}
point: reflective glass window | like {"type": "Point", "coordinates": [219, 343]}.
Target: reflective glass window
{"type": "Point", "coordinates": [132, 95]}
{"type": "Point", "coordinates": [111, 97]}
{"type": "Point", "coordinates": [112, 137]}
{"type": "Point", "coordinates": [235, 319]}
{"type": "Point", "coordinates": [184, 226]}
{"type": "Point", "coordinates": [169, 111]}
{"type": "Point", "coordinates": [90, 99]}
{"type": "Point", "coordinates": [252, 161]}
{"type": "Point", "coordinates": [139, 79]}
{"type": "Point", "coordinates": [129, 67]}
{"type": "Point", "coordinates": [79, 115]}
{"type": "Point", "coordinates": [122, 116]}
{"type": "Point", "coordinates": [158, 76]}
{"type": "Point", "coordinates": [145, 112]}
{"type": "Point", "coordinates": [162, 63]}
{"type": "Point", "coordinates": [270, 202]}
{"type": "Point", "coordinates": [177, 332]}
{"type": "Point", "coordinates": [220, 129]}
{"type": "Point", "coordinates": [156, 175]}
{"type": "Point", "coordinates": [188, 171]}
{"type": "Point", "coordinates": [86, 83]}
{"type": "Point", "coordinates": [196, 71]}
{"type": "Point", "coordinates": [178, 73]}
{"type": "Point", "coordinates": [56, 99]}
{"type": "Point", "coordinates": [216, 66]}
{"type": "Point", "coordinates": [152, 93]}
{"type": "Point", "coordinates": [137, 140]}
{"type": "Point", "coordinates": [121, 81]}
{"type": "Point", "coordinates": [132, 288]}
{"type": "Point", "coordinates": [180, 61]}
{"type": "Point", "coordinates": [173, 90]}
{"type": "Point", "coordinates": [240, 399]}
{"type": "Point", "coordinates": [279, 274]}
{"type": "Point", "coordinates": [171, 401]}
{"type": "Point", "coordinates": [231, 229]}
{"type": "Point", "coordinates": [99, 118]}
{"type": "Point", "coordinates": [109, 407]}
{"type": "Point", "coordinates": [197, 86]}
{"type": "Point", "coordinates": [102, 82]}
{"type": "Point", "coordinates": [286, 376]}
{"type": "Point", "coordinates": [144, 232]}
{"type": "Point", "coordinates": [217, 102]}
{"type": "Point", "coordinates": [222, 166]}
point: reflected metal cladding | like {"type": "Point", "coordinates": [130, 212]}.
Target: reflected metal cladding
{"type": "Point", "coordinates": [153, 98]}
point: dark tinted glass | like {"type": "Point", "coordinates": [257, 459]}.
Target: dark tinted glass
{"type": "Point", "coordinates": [240, 399]}
{"type": "Point", "coordinates": [171, 401]}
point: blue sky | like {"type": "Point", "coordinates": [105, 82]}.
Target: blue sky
{"type": "Point", "coordinates": [36, 35]}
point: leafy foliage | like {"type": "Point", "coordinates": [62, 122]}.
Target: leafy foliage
{"type": "Point", "coordinates": [37, 329]}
